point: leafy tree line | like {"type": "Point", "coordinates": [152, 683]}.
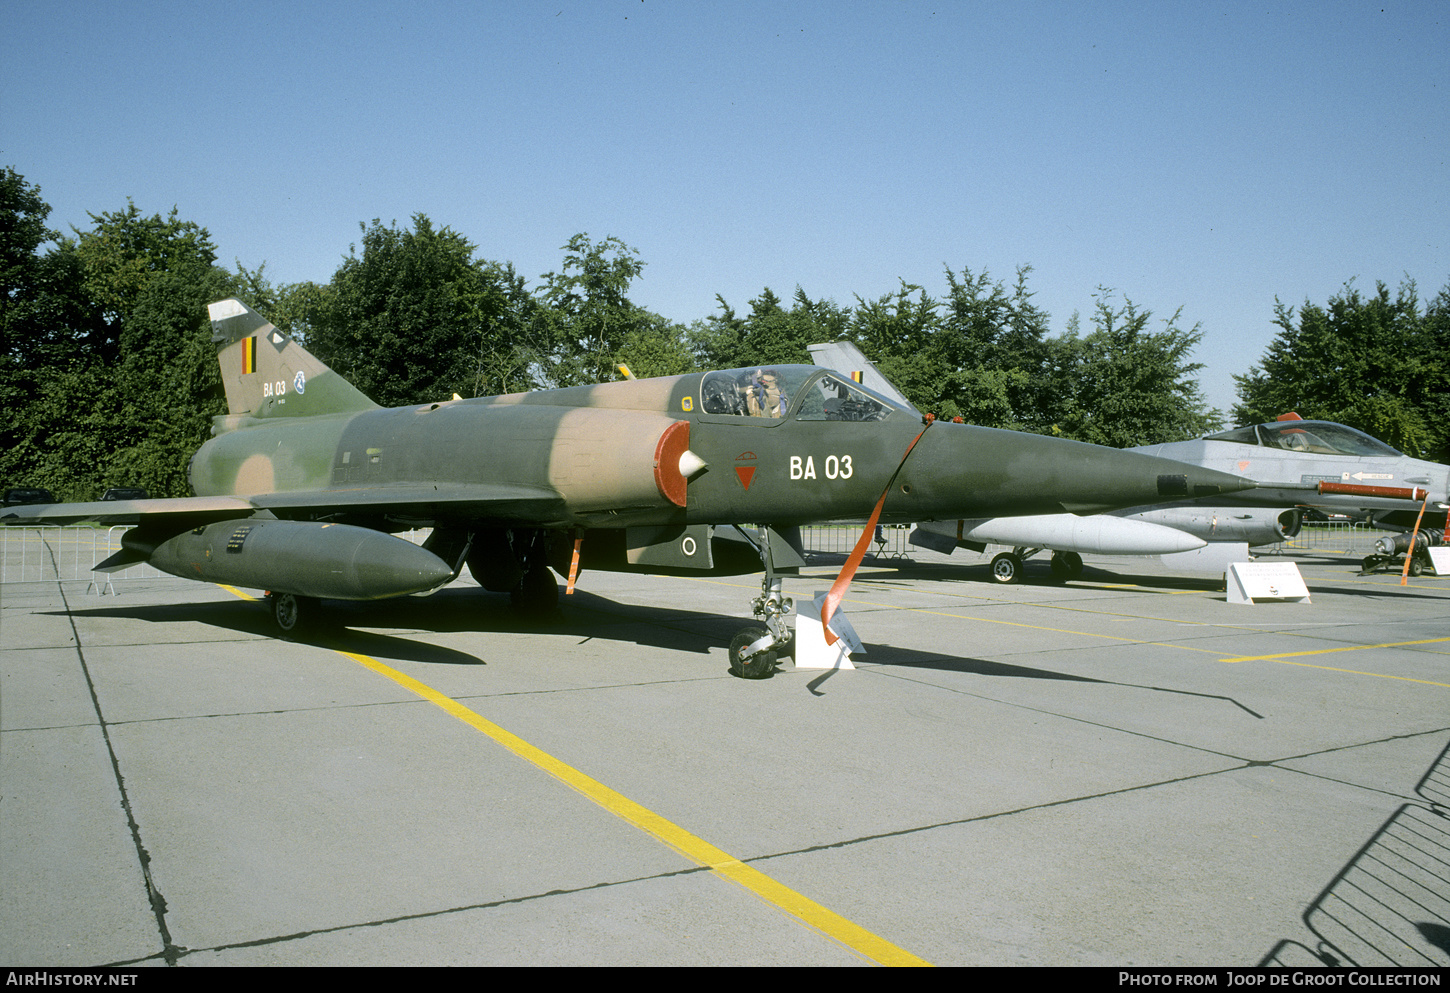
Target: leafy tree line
{"type": "Point", "coordinates": [984, 353]}
{"type": "Point", "coordinates": [108, 376]}
{"type": "Point", "coordinates": [1376, 362]}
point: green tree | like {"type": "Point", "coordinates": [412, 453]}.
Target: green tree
{"type": "Point", "coordinates": [585, 317]}
{"type": "Point", "coordinates": [108, 376]}
{"type": "Point", "coordinates": [45, 313]}
{"type": "Point", "coordinates": [167, 389]}
{"type": "Point", "coordinates": [123, 250]}
{"type": "Point", "coordinates": [976, 354]}
{"type": "Point", "coordinates": [979, 353]}
{"type": "Point", "coordinates": [1432, 384]}
{"type": "Point", "coordinates": [417, 317]}
{"type": "Point", "coordinates": [1123, 385]}
{"type": "Point", "coordinates": [22, 232]}
{"type": "Point", "coordinates": [1375, 362]}
{"type": "Point", "coordinates": [152, 278]}
{"type": "Point", "coordinates": [770, 334]}
{"type": "Point", "coordinates": [657, 347]}
{"type": "Point", "coordinates": [993, 339]}
{"type": "Point", "coordinates": [899, 333]}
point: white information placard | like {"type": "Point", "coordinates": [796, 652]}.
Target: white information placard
{"type": "Point", "coordinates": [811, 650]}
{"type": "Point", "coordinates": [1250, 581]}
{"type": "Point", "coordinates": [1440, 559]}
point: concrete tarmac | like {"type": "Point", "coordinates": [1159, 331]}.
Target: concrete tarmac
{"type": "Point", "coordinates": [1121, 770]}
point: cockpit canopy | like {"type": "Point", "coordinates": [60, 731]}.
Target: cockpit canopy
{"type": "Point", "coordinates": [1313, 437]}
{"type": "Point", "coordinates": [805, 392]}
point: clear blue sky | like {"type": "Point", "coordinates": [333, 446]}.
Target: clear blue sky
{"type": "Point", "coordinates": [1205, 156]}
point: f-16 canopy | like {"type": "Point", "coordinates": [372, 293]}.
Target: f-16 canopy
{"type": "Point", "coordinates": [1314, 437]}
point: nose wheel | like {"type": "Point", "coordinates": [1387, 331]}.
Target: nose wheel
{"type": "Point", "coordinates": [749, 662]}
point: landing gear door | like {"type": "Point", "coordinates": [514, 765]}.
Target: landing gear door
{"type": "Point", "coordinates": [670, 546]}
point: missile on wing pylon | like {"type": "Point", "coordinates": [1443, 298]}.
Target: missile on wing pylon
{"type": "Point", "coordinates": [304, 558]}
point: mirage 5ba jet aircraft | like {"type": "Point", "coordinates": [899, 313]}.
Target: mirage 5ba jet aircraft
{"type": "Point", "coordinates": [305, 480]}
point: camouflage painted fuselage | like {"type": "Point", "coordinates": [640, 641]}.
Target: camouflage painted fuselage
{"type": "Point", "coordinates": [608, 455]}
{"type": "Point", "coordinates": [304, 473]}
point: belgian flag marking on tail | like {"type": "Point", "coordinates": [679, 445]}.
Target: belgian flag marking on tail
{"type": "Point", "coordinates": [249, 355]}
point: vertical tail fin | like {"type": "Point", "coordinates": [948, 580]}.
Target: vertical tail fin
{"type": "Point", "coordinates": [267, 374]}
{"type": "Point", "coordinates": [844, 356]}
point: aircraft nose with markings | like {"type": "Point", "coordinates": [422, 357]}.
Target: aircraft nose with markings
{"type": "Point", "coordinates": [1296, 464]}
{"type": "Point", "coordinates": [305, 481]}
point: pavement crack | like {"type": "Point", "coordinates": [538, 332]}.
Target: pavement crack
{"type": "Point", "coordinates": [441, 912]}
{"type": "Point", "coordinates": [170, 953]}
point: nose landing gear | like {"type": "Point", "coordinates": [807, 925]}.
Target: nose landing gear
{"type": "Point", "coordinates": [754, 651]}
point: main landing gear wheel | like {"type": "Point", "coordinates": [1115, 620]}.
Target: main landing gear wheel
{"type": "Point", "coordinates": [537, 593]}
{"type": "Point", "coordinates": [295, 614]}
{"type": "Point", "coordinates": [757, 666]}
{"type": "Point", "coordinates": [1007, 568]}
{"type": "Point", "coordinates": [1066, 565]}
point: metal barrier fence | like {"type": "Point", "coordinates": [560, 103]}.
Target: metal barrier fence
{"type": "Point", "coordinates": [1348, 538]}
{"type": "Point", "coordinates": [65, 554]}
{"type": "Point", "coordinates": [839, 539]}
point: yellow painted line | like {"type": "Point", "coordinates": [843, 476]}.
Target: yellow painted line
{"type": "Point", "coordinates": [1348, 648]}
{"type": "Point", "coordinates": [694, 848]}
{"type": "Point", "coordinates": [1393, 580]}
{"type": "Point", "coordinates": [1326, 651]}
{"type": "Point", "coordinates": [1355, 672]}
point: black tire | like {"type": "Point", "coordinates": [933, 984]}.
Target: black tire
{"type": "Point", "coordinates": [537, 593]}
{"type": "Point", "coordinates": [1417, 567]}
{"type": "Point", "coordinates": [1369, 566]}
{"type": "Point", "coordinates": [1066, 565]}
{"type": "Point", "coordinates": [295, 615]}
{"type": "Point", "coordinates": [1007, 568]}
{"type": "Point", "coordinates": [758, 666]}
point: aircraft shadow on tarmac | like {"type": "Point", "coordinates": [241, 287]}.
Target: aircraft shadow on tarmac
{"type": "Point", "coordinates": [465, 609]}
{"type": "Point", "coordinates": [583, 615]}
{"type": "Point", "coordinates": [248, 618]}
{"type": "Point", "coordinates": [886, 655]}
{"type": "Point", "coordinates": [1390, 904]}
